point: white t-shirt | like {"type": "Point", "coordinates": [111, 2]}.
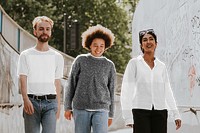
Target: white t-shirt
{"type": "Point", "coordinates": [41, 69]}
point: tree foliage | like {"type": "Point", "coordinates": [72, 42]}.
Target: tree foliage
{"type": "Point", "coordinates": [87, 12]}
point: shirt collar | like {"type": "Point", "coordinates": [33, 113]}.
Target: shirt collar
{"type": "Point", "coordinates": [95, 56]}
{"type": "Point", "coordinates": [140, 58]}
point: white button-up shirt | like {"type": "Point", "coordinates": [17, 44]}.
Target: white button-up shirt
{"type": "Point", "coordinates": [143, 87]}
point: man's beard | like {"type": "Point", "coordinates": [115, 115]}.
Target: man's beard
{"type": "Point", "coordinates": [44, 39]}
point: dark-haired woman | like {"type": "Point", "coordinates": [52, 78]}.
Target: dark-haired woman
{"type": "Point", "coordinates": [146, 93]}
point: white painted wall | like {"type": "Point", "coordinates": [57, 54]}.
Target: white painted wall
{"type": "Point", "coordinates": [177, 25]}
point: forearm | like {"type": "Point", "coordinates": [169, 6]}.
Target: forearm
{"type": "Point", "coordinates": [28, 107]}
{"type": "Point", "coordinates": [23, 86]}
{"type": "Point", "coordinates": [69, 92]}
{"type": "Point", "coordinates": [58, 90]}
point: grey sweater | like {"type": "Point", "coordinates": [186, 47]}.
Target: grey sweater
{"type": "Point", "coordinates": [91, 84]}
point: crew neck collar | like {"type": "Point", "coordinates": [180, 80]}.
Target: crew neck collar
{"type": "Point", "coordinates": [95, 56]}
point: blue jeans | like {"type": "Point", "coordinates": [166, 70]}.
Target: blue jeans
{"type": "Point", "coordinates": [44, 114]}
{"type": "Point", "coordinates": [84, 120]}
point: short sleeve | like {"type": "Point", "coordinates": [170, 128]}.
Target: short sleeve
{"type": "Point", "coordinates": [22, 68]}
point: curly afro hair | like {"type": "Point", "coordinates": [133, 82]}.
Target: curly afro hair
{"type": "Point", "coordinates": [97, 31]}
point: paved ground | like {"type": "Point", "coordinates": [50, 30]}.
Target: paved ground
{"type": "Point", "coordinates": [128, 130]}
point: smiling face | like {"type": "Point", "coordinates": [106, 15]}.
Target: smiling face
{"type": "Point", "coordinates": [148, 44]}
{"type": "Point", "coordinates": [97, 47]}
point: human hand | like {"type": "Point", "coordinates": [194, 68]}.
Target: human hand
{"type": "Point", "coordinates": [109, 122]}
{"type": "Point", "coordinates": [68, 114]}
{"type": "Point", "coordinates": [178, 123]}
{"type": "Point", "coordinates": [28, 107]}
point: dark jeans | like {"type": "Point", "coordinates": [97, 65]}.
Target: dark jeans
{"type": "Point", "coordinates": [150, 121]}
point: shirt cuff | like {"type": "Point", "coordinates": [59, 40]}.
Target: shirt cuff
{"type": "Point", "coordinates": [129, 121]}
{"type": "Point", "coordinates": [174, 114]}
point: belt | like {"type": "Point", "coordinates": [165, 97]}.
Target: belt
{"type": "Point", "coordinates": [43, 97]}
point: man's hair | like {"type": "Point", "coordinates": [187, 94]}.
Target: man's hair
{"type": "Point", "coordinates": [40, 19]}
{"type": "Point", "coordinates": [97, 31]}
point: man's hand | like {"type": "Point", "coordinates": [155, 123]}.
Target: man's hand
{"type": "Point", "coordinates": [28, 107]}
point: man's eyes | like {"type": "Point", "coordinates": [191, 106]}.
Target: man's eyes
{"type": "Point", "coordinates": [44, 29]}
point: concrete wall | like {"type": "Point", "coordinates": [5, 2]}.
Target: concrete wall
{"type": "Point", "coordinates": [177, 25]}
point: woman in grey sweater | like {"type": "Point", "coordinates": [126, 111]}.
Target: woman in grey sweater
{"type": "Point", "coordinates": [90, 89]}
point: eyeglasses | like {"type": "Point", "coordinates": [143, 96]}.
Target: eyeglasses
{"type": "Point", "coordinates": [143, 32]}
